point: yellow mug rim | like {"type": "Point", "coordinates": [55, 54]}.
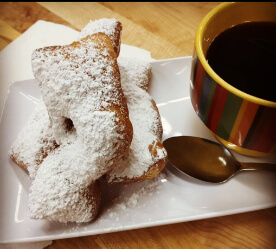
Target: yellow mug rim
{"type": "Point", "coordinates": [211, 72]}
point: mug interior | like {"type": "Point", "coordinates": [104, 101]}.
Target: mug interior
{"type": "Point", "coordinates": [229, 14]}
{"type": "Point", "coordinates": [223, 17]}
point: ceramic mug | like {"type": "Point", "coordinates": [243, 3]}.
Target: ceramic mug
{"type": "Point", "coordinates": [242, 122]}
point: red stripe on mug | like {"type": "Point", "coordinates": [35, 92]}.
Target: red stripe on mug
{"type": "Point", "coordinates": [266, 139]}
{"type": "Point", "coordinates": [217, 107]}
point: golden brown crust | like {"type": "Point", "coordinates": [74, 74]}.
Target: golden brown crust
{"type": "Point", "coordinates": [159, 131]}
{"type": "Point", "coordinates": [94, 196]}
{"type": "Point", "coordinates": [117, 38]}
{"type": "Point", "coordinates": [19, 163]}
{"type": "Point", "coordinates": [152, 172]}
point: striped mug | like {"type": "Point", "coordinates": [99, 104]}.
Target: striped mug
{"type": "Point", "coordinates": [242, 122]}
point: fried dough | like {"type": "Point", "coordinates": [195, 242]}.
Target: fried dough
{"type": "Point", "coordinates": [80, 86]}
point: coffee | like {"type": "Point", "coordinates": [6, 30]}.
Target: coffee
{"type": "Point", "coordinates": [245, 57]}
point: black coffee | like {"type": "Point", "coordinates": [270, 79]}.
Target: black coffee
{"type": "Point", "coordinates": [245, 57]}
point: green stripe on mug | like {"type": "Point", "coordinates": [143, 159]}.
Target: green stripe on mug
{"type": "Point", "coordinates": [229, 115]}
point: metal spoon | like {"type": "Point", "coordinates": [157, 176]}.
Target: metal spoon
{"type": "Point", "coordinates": [206, 160]}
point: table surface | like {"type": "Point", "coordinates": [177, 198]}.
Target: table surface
{"type": "Point", "coordinates": [167, 30]}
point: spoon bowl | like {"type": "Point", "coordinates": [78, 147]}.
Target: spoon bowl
{"type": "Point", "coordinates": [206, 160]}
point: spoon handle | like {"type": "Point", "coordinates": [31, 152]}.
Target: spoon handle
{"type": "Point", "coordinates": [259, 166]}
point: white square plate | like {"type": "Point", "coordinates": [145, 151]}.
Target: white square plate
{"type": "Point", "coordinates": [169, 198]}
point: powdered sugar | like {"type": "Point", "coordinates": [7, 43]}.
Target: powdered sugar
{"type": "Point", "coordinates": [124, 198]}
{"type": "Point", "coordinates": [72, 80]}
{"type": "Point", "coordinates": [147, 126]}
{"type": "Point", "coordinates": [79, 83]}
{"type": "Point", "coordinates": [111, 27]}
